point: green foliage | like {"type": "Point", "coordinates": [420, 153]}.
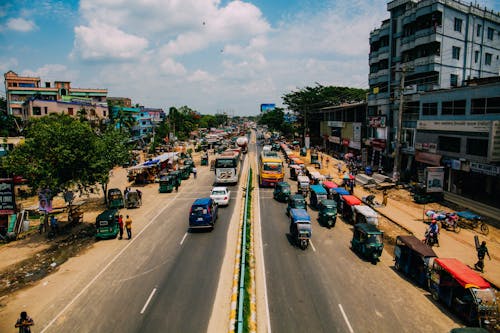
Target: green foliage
{"type": "Point", "coordinates": [9, 123]}
{"type": "Point", "coordinates": [275, 121]}
{"type": "Point", "coordinates": [62, 153]}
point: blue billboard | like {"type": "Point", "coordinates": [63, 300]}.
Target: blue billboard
{"type": "Point", "coordinates": [267, 107]}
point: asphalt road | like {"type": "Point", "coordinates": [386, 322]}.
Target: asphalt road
{"type": "Point", "coordinates": [329, 288]}
{"type": "Point", "coordinates": [165, 280]}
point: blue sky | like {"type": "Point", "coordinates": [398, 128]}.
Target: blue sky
{"type": "Point", "coordinates": [211, 55]}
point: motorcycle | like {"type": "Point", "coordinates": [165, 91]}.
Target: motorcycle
{"type": "Point", "coordinates": [431, 238]}
{"type": "Point", "coordinates": [451, 222]}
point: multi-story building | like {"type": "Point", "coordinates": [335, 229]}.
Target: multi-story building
{"type": "Point", "coordinates": [140, 120]}
{"type": "Point", "coordinates": [460, 129]}
{"type": "Point", "coordinates": [425, 45]}
{"type": "Point", "coordinates": [27, 97]}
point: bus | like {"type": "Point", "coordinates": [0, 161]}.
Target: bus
{"type": "Point", "coordinates": [227, 167]}
{"type": "Point", "coordinates": [271, 170]}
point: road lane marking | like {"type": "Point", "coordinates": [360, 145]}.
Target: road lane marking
{"type": "Point", "coordinates": [312, 245]}
{"type": "Point", "coordinates": [183, 238]}
{"type": "Point", "coordinates": [149, 300]}
{"type": "Point", "coordinates": [98, 275]}
{"type": "Point", "coordinates": [345, 318]}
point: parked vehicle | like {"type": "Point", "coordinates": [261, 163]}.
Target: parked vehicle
{"type": "Point", "coordinates": [367, 241]}
{"type": "Point", "coordinates": [337, 193]}
{"type": "Point", "coordinates": [296, 201]}
{"type": "Point", "coordinates": [329, 186]}
{"type": "Point", "coordinates": [203, 214]}
{"type": "Point", "coordinates": [167, 183]}
{"type": "Point", "coordinates": [413, 258]}
{"type": "Point", "coordinates": [115, 198]}
{"type": "Point", "coordinates": [347, 203]}
{"type": "Point", "coordinates": [221, 195]}
{"type": "Point", "coordinates": [316, 194]}
{"type": "Point", "coordinates": [189, 163]}
{"type": "Point", "coordinates": [468, 219]}
{"type": "Point", "coordinates": [282, 191]}
{"type": "Point", "coordinates": [294, 171]}
{"type": "Point", "coordinates": [464, 291]}
{"type": "Point", "coordinates": [327, 215]}
{"type": "Point", "coordinates": [364, 214]}
{"type": "Point", "coordinates": [314, 158]}
{"type": "Point", "coordinates": [185, 172]}
{"type": "Point", "coordinates": [303, 184]}
{"type": "Point", "coordinates": [106, 224]}
{"type": "Point", "coordinates": [300, 227]}
{"type": "Point", "coordinates": [133, 199]}
{"type": "Point", "coordinates": [177, 175]}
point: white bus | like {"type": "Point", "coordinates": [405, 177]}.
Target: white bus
{"type": "Point", "coordinates": [227, 167]}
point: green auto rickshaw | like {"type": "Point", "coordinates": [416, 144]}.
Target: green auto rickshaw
{"type": "Point", "coordinates": [106, 224]}
{"type": "Point", "coordinates": [303, 151]}
{"type": "Point", "coordinates": [281, 191]}
{"type": "Point", "coordinates": [327, 215]}
{"type": "Point", "coordinates": [314, 158]}
{"type": "Point", "coordinates": [115, 198]}
{"type": "Point", "coordinates": [295, 201]}
{"type": "Point", "coordinates": [189, 163]}
{"type": "Point", "coordinates": [167, 183]}
{"type": "Point", "coordinates": [204, 159]}
{"type": "Point", "coordinates": [177, 176]}
{"type": "Point", "coordinates": [367, 241]}
{"type": "Point", "coordinates": [185, 172]}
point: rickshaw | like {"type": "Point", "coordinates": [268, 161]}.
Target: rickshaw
{"type": "Point", "coordinates": [177, 175]}
{"type": "Point", "coordinates": [303, 184]}
{"type": "Point", "coordinates": [204, 160]}
{"type": "Point", "coordinates": [347, 203]}
{"type": "Point", "coordinates": [294, 171]}
{"type": "Point", "coordinates": [329, 186]}
{"type": "Point", "coordinates": [303, 151]}
{"type": "Point", "coordinates": [327, 215]}
{"type": "Point", "coordinates": [467, 219]}
{"type": "Point", "coordinates": [281, 191]}
{"type": "Point", "coordinates": [106, 224]}
{"type": "Point", "coordinates": [185, 172]}
{"type": "Point", "coordinates": [115, 198]}
{"type": "Point", "coordinates": [364, 214]}
{"type": "Point", "coordinates": [464, 291]}
{"type": "Point", "coordinates": [316, 194]}
{"type": "Point", "coordinates": [367, 241]}
{"type": "Point", "coordinates": [317, 178]}
{"type": "Point", "coordinates": [413, 258]}
{"type": "Point", "coordinates": [133, 199]}
{"type": "Point", "coordinates": [189, 163]}
{"type": "Point", "coordinates": [300, 227]}
{"type": "Point", "coordinates": [296, 201]}
{"type": "Point", "coordinates": [337, 193]}
{"type": "Point", "coordinates": [314, 158]}
{"type": "Point", "coordinates": [166, 183]}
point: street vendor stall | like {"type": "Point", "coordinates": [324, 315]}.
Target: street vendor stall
{"type": "Point", "coordinates": [148, 171]}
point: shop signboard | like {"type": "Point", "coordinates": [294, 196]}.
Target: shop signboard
{"type": "Point", "coordinates": [334, 139]}
{"type": "Point", "coordinates": [7, 196]}
{"type": "Point", "coordinates": [335, 123]}
{"type": "Point", "coordinates": [482, 126]}
{"type": "Point", "coordinates": [378, 144]}
{"type": "Point", "coordinates": [378, 121]}
{"type": "Point", "coordinates": [307, 142]}
{"type": "Point", "coordinates": [356, 129]}
{"type": "Point", "coordinates": [491, 170]}
{"type": "Point", "coordinates": [434, 179]}
{"type": "Point", "coordinates": [494, 147]}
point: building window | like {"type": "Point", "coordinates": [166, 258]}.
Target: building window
{"type": "Point", "coordinates": [493, 105]}
{"type": "Point", "coordinates": [453, 80]}
{"type": "Point", "coordinates": [449, 143]}
{"type": "Point", "coordinates": [429, 109]}
{"type": "Point", "coordinates": [454, 108]}
{"type": "Point", "coordinates": [477, 147]}
{"type": "Point", "coordinates": [70, 111]}
{"type": "Point", "coordinates": [37, 111]}
{"type": "Point", "coordinates": [490, 33]}
{"type": "Point", "coordinates": [45, 110]}
{"type": "Point", "coordinates": [456, 52]}
{"type": "Point", "coordinates": [478, 31]}
{"type": "Point", "coordinates": [476, 56]}
{"type": "Point", "coordinates": [478, 106]}
{"type": "Point", "coordinates": [104, 113]}
{"type": "Point", "coordinates": [487, 58]}
{"type": "Point", "coordinates": [458, 24]}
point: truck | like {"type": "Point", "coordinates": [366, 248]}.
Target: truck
{"type": "Point", "coordinates": [242, 142]}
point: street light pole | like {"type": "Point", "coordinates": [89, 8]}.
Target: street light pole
{"type": "Point", "coordinates": [397, 150]}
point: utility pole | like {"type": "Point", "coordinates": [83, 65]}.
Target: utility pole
{"type": "Point", "coordinates": [397, 150]}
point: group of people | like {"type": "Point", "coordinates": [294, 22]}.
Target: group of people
{"type": "Point", "coordinates": [127, 224]}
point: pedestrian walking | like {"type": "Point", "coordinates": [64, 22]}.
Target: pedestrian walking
{"type": "Point", "coordinates": [482, 251]}
{"type": "Point", "coordinates": [128, 226]}
{"type": "Point", "coordinates": [120, 226]}
{"type": "Point", "coordinates": [384, 198]}
{"type": "Point", "coordinates": [24, 323]}
{"type": "Point", "coordinates": [339, 167]}
{"type": "Point", "coordinates": [194, 172]}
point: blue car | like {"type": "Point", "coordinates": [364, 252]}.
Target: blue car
{"type": "Point", "coordinates": [203, 214]}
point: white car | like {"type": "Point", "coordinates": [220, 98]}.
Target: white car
{"type": "Point", "coordinates": [221, 195]}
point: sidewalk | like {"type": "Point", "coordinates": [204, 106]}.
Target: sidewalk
{"type": "Point", "coordinates": [409, 215]}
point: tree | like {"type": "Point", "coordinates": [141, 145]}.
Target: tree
{"type": "Point", "coordinates": [275, 121]}
{"type": "Point", "coordinates": [10, 125]}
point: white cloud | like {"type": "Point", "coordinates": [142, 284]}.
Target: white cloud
{"type": "Point", "coordinates": [169, 66]}
{"type": "Point", "coordinates": [200, 76]}
{"type": "Point", "coordinates": [100, 41]}
{"type": "Point", "coordinates": [7, 64]}
{"type": "Point", "coordinates": [20, 24]}
{"type": "Point", "coordinates": [52, 72]}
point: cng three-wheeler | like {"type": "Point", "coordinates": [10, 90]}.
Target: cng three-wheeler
{"type": "Point", "coordinates": [367, 241]}
{"type": "Point", "coordinates": [115, 198]}
{"type": "Point", "coordinates": [167, 183]}
{"type": "Point", "coordinates": [346, 205]}
{"type": "Point", "coordinates": [296, 201]}
{"type": "Point", "coordinates": [106, 224]}
{"type": "Point", "coordinates": [327, 215]}
{"type": "Point", "coordinates": [412, 257]}
{"type": "Point", "coordinates": [300, 227]}
{"type": "Point", "coordinates": [317, 194]}
{"type": "Point", "coordinates": [281, 191]}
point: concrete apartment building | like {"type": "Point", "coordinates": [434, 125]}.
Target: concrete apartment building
{"type": "Point", "coordinates": [431, 45]}
{"type": "Point", "coordinates": [27, 97]}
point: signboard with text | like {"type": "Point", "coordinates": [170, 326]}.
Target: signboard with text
{"type": "Point", "coordinates": [434, 179]}
{"type": "Point", "coordinates": [7, 197]}
{"type": "Point", "coordinates": [267, 107]}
